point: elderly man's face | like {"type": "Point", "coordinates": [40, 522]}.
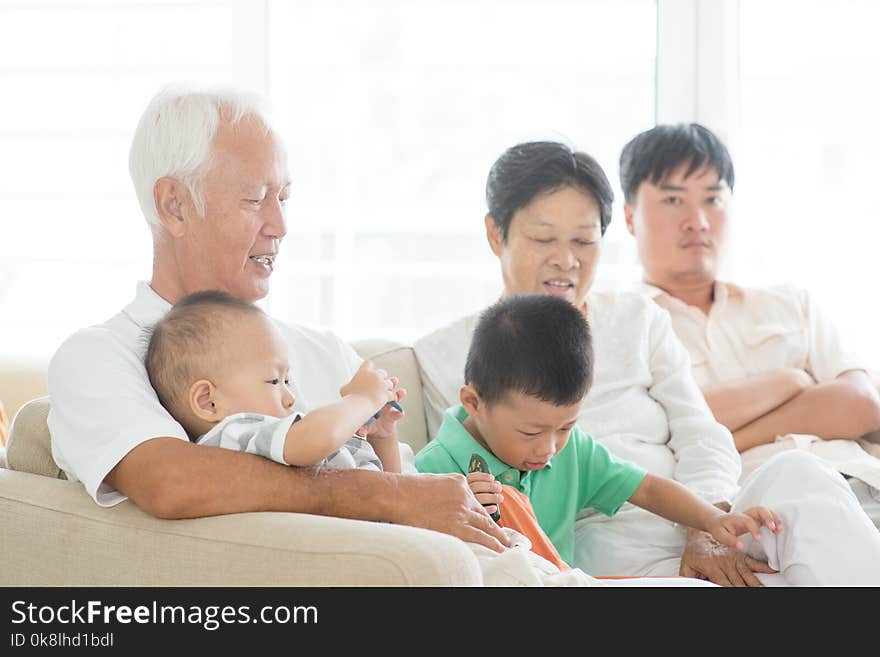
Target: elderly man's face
{"type": "Point", "coordinates": [233, 247]}
{"type": "Point", "coordinates": [680, 225]}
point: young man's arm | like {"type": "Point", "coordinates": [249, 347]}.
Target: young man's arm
{"type": "Point", "coordinates": [846, 407]}
{"type": "Point", "coordinates": [170, 478]}
{"type": "Point", "coordinates": [706, 459]}
{"type": "Point", "coordinates": [738, 402]}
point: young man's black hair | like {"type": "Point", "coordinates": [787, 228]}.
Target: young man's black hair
{"type": "Point", "coordinates": [654, 154]}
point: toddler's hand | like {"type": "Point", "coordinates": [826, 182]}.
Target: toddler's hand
{"type": "Point", "coordinates": [385, 426]}
{"type": "Point", "coordinates": [727, 527]}
{"type": "Point", "coordinates": [372, 383]}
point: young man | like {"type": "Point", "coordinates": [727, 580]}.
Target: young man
{"type": "Point", "coordinates": [771, 365]}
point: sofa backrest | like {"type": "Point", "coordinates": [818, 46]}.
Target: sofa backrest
{"type": "Point", "coordinates": [29, 448]}
{"type": "Point", "coordinates": [400, 360]}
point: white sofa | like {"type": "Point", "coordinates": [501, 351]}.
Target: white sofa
{"type": "Point", "coordinates": [55, 535]}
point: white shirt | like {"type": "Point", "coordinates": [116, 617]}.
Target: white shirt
{"type": "Point", "coordinates": [644, 405]}
{"type": "Point", "coordinates": [103, 405]}
{"type": "Point", "coordinates": [753, 330]}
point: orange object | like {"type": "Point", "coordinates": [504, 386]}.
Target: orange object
{"type": "Point", "coordinates": [517, 514]}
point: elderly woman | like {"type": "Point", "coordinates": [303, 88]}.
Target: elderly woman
{"type": "Point", "coordinates": [548, 210]}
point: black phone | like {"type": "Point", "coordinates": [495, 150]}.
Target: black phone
{"type": "Point", "coordinates": [478, 464]}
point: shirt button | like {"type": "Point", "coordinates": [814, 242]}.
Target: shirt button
{"type": "Point", "coordinates": [508, 477]}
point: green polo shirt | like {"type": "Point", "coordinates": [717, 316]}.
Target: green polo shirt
{"type": "Point", "coordinates": [584, 474]}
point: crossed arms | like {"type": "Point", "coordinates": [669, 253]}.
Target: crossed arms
{"type": "Point", "coordinates": [777, 402]}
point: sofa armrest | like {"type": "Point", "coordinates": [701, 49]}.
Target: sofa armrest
{"type": "Point", "coordinates": [55, 535]}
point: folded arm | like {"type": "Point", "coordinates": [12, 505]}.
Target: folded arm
{"type": "Point", "coordinates": [846, 407]}
{"type": "Point", "coordinates": [738, 402]}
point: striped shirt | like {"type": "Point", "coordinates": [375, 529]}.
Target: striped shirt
{"type": "Point", "coordinates": [265, 436]}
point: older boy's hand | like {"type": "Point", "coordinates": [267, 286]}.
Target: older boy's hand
{"type": "Point", "coordinates": [486, 489]}
{"type": "Point", "coordinates": [727, 527]}
{"type": "Point", "coordinates": [446, 504]}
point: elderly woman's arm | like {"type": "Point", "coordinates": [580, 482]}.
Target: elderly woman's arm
{"type": "Point", "coordinates": [706, 460]}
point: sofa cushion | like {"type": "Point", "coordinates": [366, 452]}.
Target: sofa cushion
{"type": "Point", "coordinates": [55, 535]}
{"type": "Point", "coordinates": [29, 448]}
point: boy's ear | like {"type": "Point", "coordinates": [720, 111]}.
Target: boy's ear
{"type": "Point", "coordinates": [201, 401]}
{"type": "Point", "coordinates": [471, 400]}
{"type": "Point", "coordinates": [493, 235]}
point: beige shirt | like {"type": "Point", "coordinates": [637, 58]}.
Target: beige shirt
{"type": "Point", "coordinates": [753, 330]}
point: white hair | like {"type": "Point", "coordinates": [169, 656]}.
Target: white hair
{"type": "Point", "coordinates": [175, 135]}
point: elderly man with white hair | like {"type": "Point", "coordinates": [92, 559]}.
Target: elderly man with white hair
{"type": "Point", "coordinates": [211, 177]}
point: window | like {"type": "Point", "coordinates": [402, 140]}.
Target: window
{"type": "Point", "coordinates": [394, 113]}
{"type": "Point", "coordinates": [76, 77]}
{"type": "Point", "coordinates": [807, 155]}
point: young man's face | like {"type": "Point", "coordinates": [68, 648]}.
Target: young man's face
{"type": "Point", "coordinates": [233, 247]}
{"type": "Point", "coordinates": [680, 225]}
{"type": "Point", "coordinates": [253, 374]}
{"type": "Point", "coordinates": [523, 431]}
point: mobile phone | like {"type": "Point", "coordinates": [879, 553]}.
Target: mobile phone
{"type": "Point", "coordinates": [478, 464]}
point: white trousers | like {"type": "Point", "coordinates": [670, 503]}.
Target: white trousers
{"type": "Point", "coordinates": [519, 566]}
{"type": "Point", "coordinates": [868, 497]}
{"type": "Point", "coordinates": [827, 538]}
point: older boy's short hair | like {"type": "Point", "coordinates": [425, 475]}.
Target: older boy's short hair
{"type": "Point", "coordinates": [181, 344]}
{"type": "Point", "coordinates": [534, 344]}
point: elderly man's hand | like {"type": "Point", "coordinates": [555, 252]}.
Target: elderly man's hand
{"type": "Point", "coordinates": [705, 558]}
{"type": "Point", "coordinates": [446, 504]}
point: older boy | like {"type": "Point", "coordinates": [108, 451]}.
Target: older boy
{"type": "Point", "coordinates": [528, 369]}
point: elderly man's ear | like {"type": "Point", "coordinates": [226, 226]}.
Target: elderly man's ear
{"type": "Point", "coordinates": [171, 196]}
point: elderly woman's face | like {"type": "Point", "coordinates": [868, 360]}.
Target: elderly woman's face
{"type": "Point", "coordinates": [552, 246]}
